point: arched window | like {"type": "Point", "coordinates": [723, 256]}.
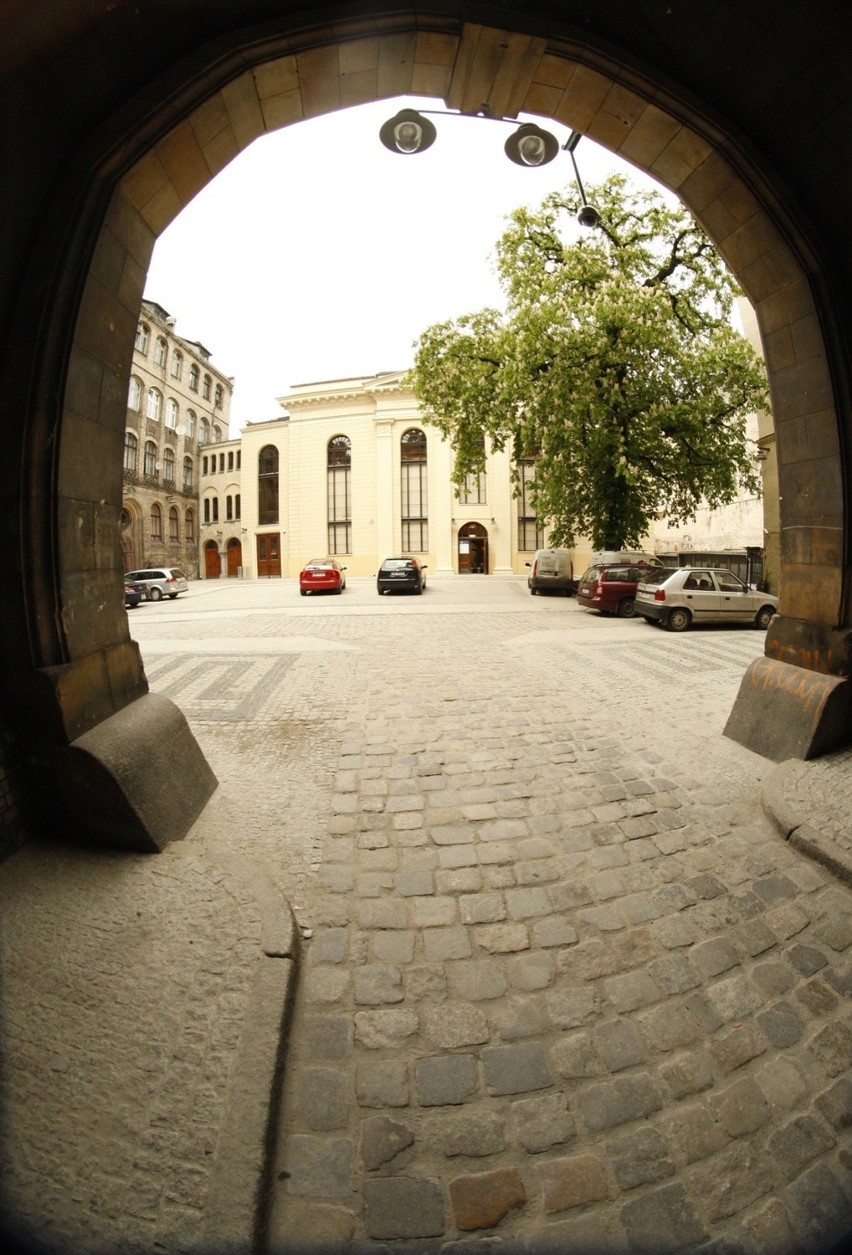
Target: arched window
{"type": "Point", "coordinates": [190, 525]}
{"type": "Point", "coordinates": [206, 389]}
{"type": "Point", "coordinates": [215, 504]}
{"type": "Point", "coordinates": [194, 374]}
{"type": "Point", "coordinates": [206, 509]}
{"type": "Point", "coordinates": [187, 474]}
{"type": "Point", "coordinates": [169, 467]}
{"type": "Point", "coordinates": [142, 336]}
{"type": "Point", "coordinates": [530, 535]}
{"type": "Point", "coordinates": [229, 507]}
{"type": "Point", "coordinates": [171, 413]}
{"type": "Point", "coordinates": [413, 489]}
{"type": "Point", "coordinates": [134, 394]}
{"type": "Point", "coordinates": [177, 364]}
{"type": "Point", "coordinates": [217, 433]}
{"type": "Point", "coordinates": [161, 352]}
{"type": "Point", "coordinates": [156, 522]}
{"type": "Point", "coordinates": [339, 481]}
{"type": "Point", "coordinates": [230, 460]}
{"type": "Point", "coordinates": [131, 450]}
{"type": "Point", "coordinates": [154, 404]}
{"type": "Point", "coordinates": [221, 464]}
{"type": "Point", "coordinates": [237, 506]}
{"type": "Point", "coordinates": [150, 465]}
{"type": "Point", "coordinates": [204, 432]}
{"type": "Point", "coordinates": [217, 397]}
{"type": "Point", "coordinates": [267, 485]}
{"type": "Point", "coordinates": [191, 423]}
{"type": "Point", "coordinates": [174, 524]}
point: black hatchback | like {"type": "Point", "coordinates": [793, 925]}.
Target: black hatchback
{"type": "Point", "coordinates": [401, 575]}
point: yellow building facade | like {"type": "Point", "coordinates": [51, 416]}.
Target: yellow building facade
{"type": "Point", "coordinates": [353, 471]}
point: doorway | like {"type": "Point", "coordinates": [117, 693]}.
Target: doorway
{"type": "Point", "coordinates": [473, 550]}
{"type": "Point", "coordinates": [269, 556]}
{"type": "Point", "coordinates": [235, 558]}
{"type": "Point", "coordinates": [212, 561]}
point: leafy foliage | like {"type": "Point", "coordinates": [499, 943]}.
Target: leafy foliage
{"type": "Point", "coordinates": [614, 365]}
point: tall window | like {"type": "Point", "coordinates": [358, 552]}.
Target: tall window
{"type": "Point", "coordinates": [174, 524]}
{"type": "Point", "coordinates": [142, 336]}
{"type": "Point", "coordinates": [190, 525]}
{"type": "Point", "coordinates": [204, 432]}
{"type": "Point", "coordinates": [187, 474]}
{"type": "Point", "coordinates": [154, 404]}
{"type": "Point", "coordinates": [229, 507]}
{"type": "Point", "coordinates": [472, 491]}
{"type": "Point", "coordinates": [217, 433]}
{"type": "Point", "coordinates": [267, 485]}
{"type": "Point", "coordinates": [530, 535]}
{"type": "Point", "coordinates": [150, 458]}
{"type": "Point", "coordinates": [156, 522]}
{"type": "Point", "coordinates": [237, 506]}
{"type": "Point", "coordinates": [217, 396]}
{"type": "Point", "coordinates": [131, 450]}
{"type": "Point", "coordinates": [169, 467]}
{"type": "Point", "coordinates": [161, 352]}
{"type": "Point", "coordinates": [415, 511]}
{"type": "Point", "coordinates": [206, 509]}
{"type": "Point", "coordinates": [208, 384]}
{"type": "Point", "coordinates": [134, 394]}
{"type": "Point", "coordinates": [171, 413]}
{"type": "Point", "coordinates": [177, 364]}
{"type": "Point", "coordinates": [339, 473]}
{"type": "Point", "coordinates": [215, 505]}
{"type": "Point", "coordinates": [194, 375]}
{"type": "Point", "coordinates": [190, 424]}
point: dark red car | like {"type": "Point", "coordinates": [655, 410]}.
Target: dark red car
{"type": "Point", "coordinates": [322, 575]}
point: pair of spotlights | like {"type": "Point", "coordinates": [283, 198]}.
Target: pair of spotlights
{"type": "Point", "coordinates": [411, 132]}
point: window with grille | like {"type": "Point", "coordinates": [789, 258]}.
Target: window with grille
{"type": "Point", "coordinates": [339, 472]}
{"type": "Point", "coordinates": [530, 534]}
{"type": "Point", "coordinates": [267, 485]}
{"type": "Point", "coordinates": [169, 467]}
{"type": "Point", "coordinates": [413, 488]}
{"type": "Point", "coordinates": [150, 458]}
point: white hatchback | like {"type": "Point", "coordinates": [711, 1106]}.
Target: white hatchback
{"type": "Point", "coordinates": [677, 598]}
{"type": "Point", "coordinates": [158, 582]}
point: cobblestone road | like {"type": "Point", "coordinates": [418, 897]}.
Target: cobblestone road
{"type": "Point", "coordinates": [563, 984]}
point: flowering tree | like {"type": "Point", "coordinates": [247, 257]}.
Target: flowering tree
{"type": "Point", "coordinates": [614, 365]}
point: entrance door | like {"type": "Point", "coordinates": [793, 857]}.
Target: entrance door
{"type": "Point", "coordinates": [235, 557]}
{"type": "Point", "coordinates": [473, 550]}
{"type": "Point", "coordinates": [212, 561]}
{"type": "Point", "coordinates": [269, 556]}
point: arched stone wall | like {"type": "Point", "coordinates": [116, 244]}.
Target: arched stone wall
{"type": "Point", "coordinates": [222, 97]}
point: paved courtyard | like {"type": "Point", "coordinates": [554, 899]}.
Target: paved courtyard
{"type": "Point", "coordinates": [562, 984]}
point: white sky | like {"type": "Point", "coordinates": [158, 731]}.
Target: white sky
{"type": "Point", "coordinates": [317, 254]}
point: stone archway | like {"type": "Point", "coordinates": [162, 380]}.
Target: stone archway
{"type": "Point", "coordinates": [132, 175]}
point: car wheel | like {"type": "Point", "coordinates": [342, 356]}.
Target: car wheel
{"type": "Point", "coordinates": [303, 591]}
{"type": "Point", "coordinates": [678, 620]}
{"type": "Point", "coordinates": [764, 617]}
{"type": "Point", "coordinates": [156, 594]}
{"type": "Point", "coordinates": [338, 591]}
{"type": "Point", "coordinates": [648, 619]}
{"type": "Point", "coordinates": [533, 592]}
{"type": "Point", "coordinates": [626, 608]}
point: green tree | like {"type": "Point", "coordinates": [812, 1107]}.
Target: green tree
{"type": "Point", "coordinates": [614, 365]}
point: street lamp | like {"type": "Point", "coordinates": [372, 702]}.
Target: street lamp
{"type": "Point", "coordinates": [411, 132]}
{"type": "Point", "coordinates": [588, 215]}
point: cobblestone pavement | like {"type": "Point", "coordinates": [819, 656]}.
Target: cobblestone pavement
{"type": "Point", "coordinates": [564, 984]}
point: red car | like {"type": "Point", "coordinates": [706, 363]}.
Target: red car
{"type": "Point", "coordinates": [322, 575]}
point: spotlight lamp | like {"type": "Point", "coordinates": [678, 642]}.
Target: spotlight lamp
{"type": "Point", "coordinates": [408, 132]}
{"type": "Point", "coordinates": [588, 215]}
{"type": "Point", "coordinates": [531, 146]}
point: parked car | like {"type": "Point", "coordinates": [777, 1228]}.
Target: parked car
{"type": "Point", "coordinates": [551, 571]}
{"type": "Point", "coordinates": [132, 595]}
{"type": "Point", "coordinates": [611, 589]}
{"type": "Point", "coordinates": [159, 582]}
{"type": "Point", "coordinates": [688, 595]}
{"type": "Point", "coordinates": [400, 575]}
{"type": "Point", "coordinates": [322, 575]}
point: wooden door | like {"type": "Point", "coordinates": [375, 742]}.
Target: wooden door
{"type": "Point", "coordinates": [235, 557]}
{"type": "Point", "coordinates": [269, 556]}
{"type": "Point", "coordinates": [212, 561]}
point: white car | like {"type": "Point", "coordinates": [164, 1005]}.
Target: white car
{"type": "Point", "coordinates": [158, 582]}
{"type": "Point", "coordinates": [677, 598]}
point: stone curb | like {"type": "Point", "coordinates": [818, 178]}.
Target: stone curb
{"type": "Point", "coordinates": [234, 1217]}
{"type": "Point", "coordinates": [802, 834]}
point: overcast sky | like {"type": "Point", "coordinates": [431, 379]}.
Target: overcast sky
{"type": "Point", "coordinates": [317, 254]}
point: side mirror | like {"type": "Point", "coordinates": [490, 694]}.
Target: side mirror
{"type": "Point", "coordinates": [527, 564]}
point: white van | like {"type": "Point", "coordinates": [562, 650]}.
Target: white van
{"type": "Point", "coordinates": [551, 571]}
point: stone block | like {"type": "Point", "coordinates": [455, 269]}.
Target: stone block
{"type": "Point", "coordinates": [516, 1069]}
{"type": "Point", "coordinates": [459, 1024]}
{"type": "Point", "coordinates": [469, 1132]}
{"type": "Point", "coordinates": [640, 1157]}
{"type": "Point", "coordinates": [445, 1079]}
{"type": "Point", "coordinates": [614, 1102]}
{"type": "Point", "coordinates": [382, 1083]}
{"type": "Point", "coordinates": [382, 1140]}
{"type": "Point", "coordinates": [803, 1139]}
{"type": "Point", "coordinates": [573, 1181]}
{"type": "Point", "coordinates": [482, 1200]}
{"type": "Point", "coordinates": [543, 1122]}
{"type": "Point", "coordinates": [403, 1207]}
{"type": "Point", "coordinates": [663, 1220]}
{"type": "Point", "coordinates": [783, 711]}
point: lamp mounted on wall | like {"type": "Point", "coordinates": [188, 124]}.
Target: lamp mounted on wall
{"type": "Point", "coordinates": [588, 215]}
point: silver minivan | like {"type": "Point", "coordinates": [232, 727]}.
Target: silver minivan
{"type": "Point", "coordinates": [158, 582]}
{"type": "Point", "coordinates": [551, 571]}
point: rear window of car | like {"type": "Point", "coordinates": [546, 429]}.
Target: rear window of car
{"type": "Point", "coordinates": [591, 575]}
{"type": "Point", "coordinates": [398, 564]}
{"type": "Point", "coordinates": [178, 573]}
{"type": "Point", "coordinates": [655, 574]}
